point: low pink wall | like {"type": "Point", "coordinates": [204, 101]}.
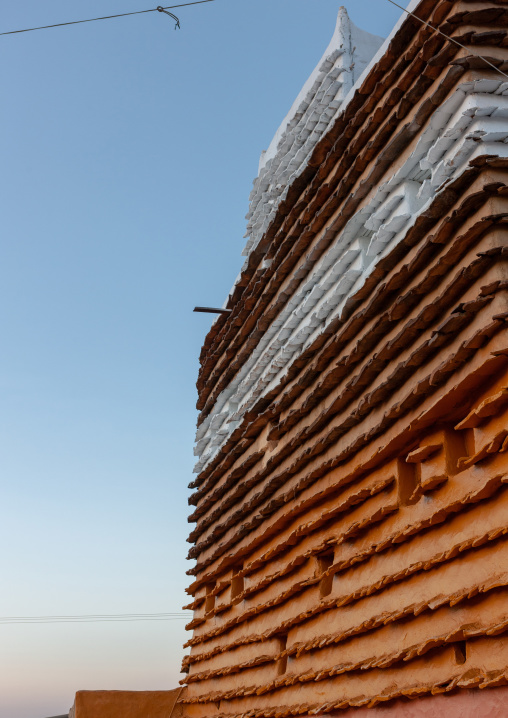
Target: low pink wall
{"type": "Point", "coordinates": [487, 703]}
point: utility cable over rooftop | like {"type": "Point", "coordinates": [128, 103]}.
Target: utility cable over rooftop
{"type": "Point", "coordinates": [159, 8]}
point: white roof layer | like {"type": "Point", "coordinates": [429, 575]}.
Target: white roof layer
{"type": "Point", "coordinates": [316, 107]}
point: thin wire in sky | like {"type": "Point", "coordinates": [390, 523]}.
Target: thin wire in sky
{"type": "Point", "coordinates": [105, 17]}
{"type": "Point", "coordinates": [451, 39]}
{"type": "Point", "coordinates": [95, 618]}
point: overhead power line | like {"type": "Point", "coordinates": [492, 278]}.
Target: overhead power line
{"type": "Point", "coordinates": [451, 39]}
{"type": "Point", "coordinates": [160, 8]}
{"type": "Point", "coordinates": [95, 618]}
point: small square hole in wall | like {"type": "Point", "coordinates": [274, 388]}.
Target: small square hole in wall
{"type": "Point", "coordinates": [325, 560]}
{"type": "Point", "coordinates": [273, 432]}
{"type": "Point", "coordinates": [210, 598]}
{"type": "Point", "coordinates": [460, 649]}
{"type": "Point", "coordinates": [237, 584]}
{"type": "Point", "coordinates": [408, 483]}
{"type": "Point", "coordinates": [282, 663]}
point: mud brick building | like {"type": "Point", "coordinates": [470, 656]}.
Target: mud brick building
{"type": "Point", "coordinates": [351, 498]}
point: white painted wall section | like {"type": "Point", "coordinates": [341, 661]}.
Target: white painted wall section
{"type": "Point", "coordinates": [472, 122]}
{"type": "Point", "coordinates": [316, 107]}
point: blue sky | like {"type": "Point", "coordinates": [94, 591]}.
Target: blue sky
{"type": "Point", "coordinates": [127, 156]}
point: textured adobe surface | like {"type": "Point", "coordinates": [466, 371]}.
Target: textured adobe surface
{"type": "Point", "coordinates": [351, 501]}
{"type": "Point", "coordinates": [466, 704]}
{"type": "Point", "coordinates": [125, 704]}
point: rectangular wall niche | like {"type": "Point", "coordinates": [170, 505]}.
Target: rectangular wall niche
{"type": "Point", "coordinates": [210, 598]}
{"type": "Point", "coordinates": [325, 560]}
{"type": "Point", "coordinates": [237, 584]}
{"type": "Point", "coordinates": [282, 663]}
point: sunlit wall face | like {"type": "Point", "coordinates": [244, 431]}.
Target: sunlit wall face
{"type": "Point", "coordinates": [128, 152]}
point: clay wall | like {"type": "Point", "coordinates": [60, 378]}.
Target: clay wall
{"type": "Point", "coordinates": [351, 534]}
{"type": "Point", "coordinates": [126, 704]}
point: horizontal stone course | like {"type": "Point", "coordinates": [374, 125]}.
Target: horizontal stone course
{"type": "Point", "coordinates": [350, 504]}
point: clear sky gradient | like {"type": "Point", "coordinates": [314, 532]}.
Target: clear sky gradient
{"type": "Point", "coordinates": [127, 153]}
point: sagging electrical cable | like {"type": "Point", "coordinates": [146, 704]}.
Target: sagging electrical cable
{"type": "Point", "coordinates": [160, 8]}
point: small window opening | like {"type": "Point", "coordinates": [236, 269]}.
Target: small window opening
{"type": "Point", "coordinates": [282, 663]}
{"type": "Point", "coordinates": [408, 481]}
{"type": "Point", "coordinates": [460, 652]}
{"type": "Point", "coordinates": [273, 429]}
{"type": "Point", "coordinates": [237, 584]}
{"type": "Point", "coordinates": [324, 562]}
{"type": "Point", "coordinates": [469, 441]}
{"type": "Point", "coordinates": [210, 598]}
{"type": "Point", "coordinates": [458, 444]}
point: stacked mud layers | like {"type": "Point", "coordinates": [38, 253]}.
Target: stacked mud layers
{"type": "Point", "coordinates": [351, 537]}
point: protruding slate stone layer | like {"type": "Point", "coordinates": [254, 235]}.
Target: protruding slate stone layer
{"type": "Point", "coordinates": [310, 118]}
{"type": "Point", "coordinates": [351, 535]}
{"type": "Point", "coordinates": [329, 276]}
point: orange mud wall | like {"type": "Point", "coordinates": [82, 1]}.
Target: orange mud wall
{"type": "Point", "coordinates": [351, 536]}
{"type": "Point", "coordinates": [126, 704]}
